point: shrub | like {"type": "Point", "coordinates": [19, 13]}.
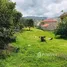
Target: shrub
{"type": "Point", "coordinates": [62, 29]}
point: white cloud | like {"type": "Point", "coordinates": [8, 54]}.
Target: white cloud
{"type": "Point", "coordinates": [56, 8]}
{"type": "Point", "coordinates": [49, 8]}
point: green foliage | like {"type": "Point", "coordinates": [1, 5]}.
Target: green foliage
{"type": "Point", "coordinates": [30, 46]}
{"type": "Point", "coordinates": [62, 29]}
{"type": "Point", "coordinates": [16, 20]}
{"type": "Point", "coordinates": [6, 22]}
{"type": "Point", "coordinates": [16, 17]}
{"type": "Point", "coordinates": [6, 12]}
{"type": "Point", "coordinates": [23, 22]}
{"type": "Point", "coordinates": [21, 26]}
{"type": "Point", "coordinates": [30, 23]}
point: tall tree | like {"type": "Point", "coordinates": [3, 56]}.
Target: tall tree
{"type": "Point", "coordinates": [6, 21]}
{"type": "Point", "coordinates": [16, 17]}
{"type": "Point", "coordinates": [30, 23]}
{"type": "Point", "coordinates": [62, 28]}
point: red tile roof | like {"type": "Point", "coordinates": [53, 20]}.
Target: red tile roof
{"type": "Point", "coordinates": [45, 25]}
{"type": "Point", "coordinates": [49, 20]}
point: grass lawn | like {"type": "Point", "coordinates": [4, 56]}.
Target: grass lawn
{"type": "Point", "coordinates": [34, 53]}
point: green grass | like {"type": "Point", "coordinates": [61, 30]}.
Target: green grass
{"type": "Point", "coordinates": [34, 53]}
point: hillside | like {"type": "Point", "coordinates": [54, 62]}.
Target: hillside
{"type": "Point", "coordinates": [35, 18]}
{"type": "Point", "coordinates": [34, 53]}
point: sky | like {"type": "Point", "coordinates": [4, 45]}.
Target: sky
{"type": "Point", "coordinates": [46, 8]}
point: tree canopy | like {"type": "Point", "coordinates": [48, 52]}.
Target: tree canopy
{"type": "Point", "coordinates": [30, 23]}
{"type": "Point", "coordinates": [62, 28]}
{"type": "Point", "coordinates": [9, 18]}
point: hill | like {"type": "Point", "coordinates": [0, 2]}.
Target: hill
{"type": "Point", "coordinates": [33, 53]}
{"type": "Point", "coordinates": [35, 18]}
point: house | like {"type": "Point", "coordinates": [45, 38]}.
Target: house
{"type": "Point", "coordinates": [49, 24]}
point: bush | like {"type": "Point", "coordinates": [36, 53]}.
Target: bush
{"type": "Point", "coordinates": [62, 29]}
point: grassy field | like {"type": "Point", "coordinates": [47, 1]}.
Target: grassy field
{"type": "Point", "coordinates": [34, 53]}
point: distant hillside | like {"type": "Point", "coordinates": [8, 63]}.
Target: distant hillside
{"type": "Point", "coordinates": [35, 18]}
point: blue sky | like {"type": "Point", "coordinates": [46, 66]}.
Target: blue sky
{"type": "Point", "coordinates": [48, 8]}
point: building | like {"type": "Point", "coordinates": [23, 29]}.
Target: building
{"type": "Point", "coordinates": [49, 24]}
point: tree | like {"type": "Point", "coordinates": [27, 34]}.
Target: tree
{"type": "Point", "coordinates": [62, 28]}
{"type": "Point", "coordinates": [6, 22]}
{"type": "Point", "coordinates": [16, 18]}
{"type": "Point", "coordinates": [29, 23]}
{"type": "Point", "coordinates": [23, 21]}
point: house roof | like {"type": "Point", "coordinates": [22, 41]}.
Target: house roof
{"type": "Point", "coordinates": [49, 20]}
{"type": "Point", "coordinates": [45, 25]}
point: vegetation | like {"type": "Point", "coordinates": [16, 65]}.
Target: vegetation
{"type": "Point", "coordinates": [27, 23]}
{"type": "Point", "coordinates": [29, 51]}
{"type": "Point", "coordinates": [9, 19]}
{"type": "Point", "coordinates": [62, 28]}
{"type": "Point", "coordinates": [6, 20]}
{"type": "Point", "coordinates": [16, 19]}
{"type": "Point", "coordinates": [34, 53]}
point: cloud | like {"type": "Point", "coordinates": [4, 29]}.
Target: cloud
{"type": "Point", "coordinates": [48, 8]}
